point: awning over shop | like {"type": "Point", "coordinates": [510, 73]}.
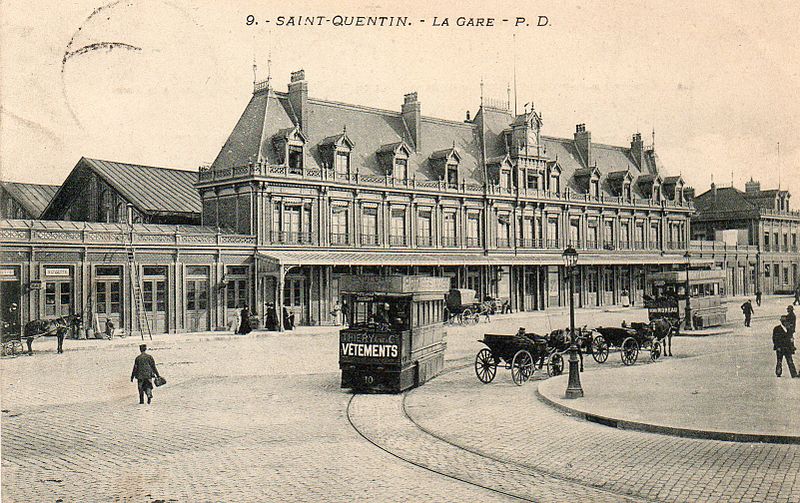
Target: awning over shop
{"type": "Point", "coordinates": [433, 258]}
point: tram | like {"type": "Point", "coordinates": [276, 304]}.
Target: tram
{"type": "Point", "coordinates": [395, 337]}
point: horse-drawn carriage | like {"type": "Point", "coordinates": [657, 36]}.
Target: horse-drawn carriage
{"type": "Point", "coordinates": [463, 307]}
{"type": "Point", "coordinates": [518, 353]}
{"type": "Point", "coordinates": [12, 341]}
{"type": "Point", "coordinates": [629, 340]}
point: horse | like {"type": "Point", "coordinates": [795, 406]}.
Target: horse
{"type": "Point", "coordinates": [561, 340]}
{"type": "Point", "coordinates": [663, 329]}
{"type": "Point", "coordinates": [42, 327]}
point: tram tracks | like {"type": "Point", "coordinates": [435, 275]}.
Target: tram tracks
{"type": "Point", "coordinates": [521, 478]}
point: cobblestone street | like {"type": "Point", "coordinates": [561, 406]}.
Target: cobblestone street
{"type": "Point", "coordinates": [263, 419]}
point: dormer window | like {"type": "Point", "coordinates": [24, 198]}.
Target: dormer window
{"type": "Point", "coordinates": [505, 178]}
{"type": "Point", "coordinates": [656, 192]}
{"type": "Point", "coordinates": [554, 179]}
{"type": "Point", "coordinates": [290, 145]}
{"type": "Point", "coordinates": [400, 171]}
{"type": "Point", "coordinates": [335, 151]}
{"type": "Point", "coordinates": [626, 191]}
{"type": "Point", "coordinates": [594, 188]}
{"type": "Point", "coordinates": [393, 159]}
{"type": "Point", "coordinates": [445, 164]}
{"type": "Point", "coordinates": [532, 179]}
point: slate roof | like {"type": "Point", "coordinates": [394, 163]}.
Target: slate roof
{"type": "Point", "coordinates": [372, 130]}
{"type": "Point", "coordinates": [728, 199]}
{"type": "Point", "coordinates": [34, 197]}
{"type": "Point", "coordinates": [152, 190]}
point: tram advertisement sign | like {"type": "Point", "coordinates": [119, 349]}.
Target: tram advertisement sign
{"type": "Point", "coordinates": [366, 344]}
{"type": "Point", "coordinates": [665, 307]}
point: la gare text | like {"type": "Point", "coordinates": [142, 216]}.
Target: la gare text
{"type": "Point", "coordinates": [401, 21]}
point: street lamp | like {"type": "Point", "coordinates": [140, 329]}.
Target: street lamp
{"type": "Point", "coordinates": [689, 325]}
{"type": "Point", "coordinates": [574, 389]}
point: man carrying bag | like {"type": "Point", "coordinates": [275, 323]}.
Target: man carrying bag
{"type": "Point", "coordinates": [144, 369]}
{"type": "Point", "coordinates": [783, 344]}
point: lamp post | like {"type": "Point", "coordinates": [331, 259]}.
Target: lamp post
{"type": "Point", "coordinates": [689, 325]}
{"type": "Point", "coordinates": [574, 389]}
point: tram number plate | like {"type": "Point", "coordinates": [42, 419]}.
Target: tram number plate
{"type": "Point", "coordinates": [369, 380]}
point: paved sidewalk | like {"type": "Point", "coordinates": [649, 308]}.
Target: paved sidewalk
{"type": "Point", "coordinates": [729, 393]}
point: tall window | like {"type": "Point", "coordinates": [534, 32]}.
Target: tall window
{"type": "Point", "coordinates": [292, 225]}
{"type": "Point", "coordinates": [626, 191]}
{"type": "Point", "coordinates": [574, 232]}
{"type": "Point", "coordinates": [503, 230]}
{"type": "Point", "coordinates": [397, 230]}
{"type": "Point", "coordinates": [369, 226]}
{"type": "Point", "coordinates": [608, 234]}
{"type": "Point", "coordinates": [552, 233]}
{"type": "Point", "coordinates": [775, 242]}
{"type": "Point", "coordinates": [452, 175]}
{"type": "Point", "coordinates": [342, 163]}
{"type": "Point", "coordinates": [473, 229]}
{"type": "Point", "coordinates": [655, 235]}
{"type": "Point", "coordinates": [594, 188]}
{"type": "Point", "coordinates": [449, 228]}
{"type": "Point", "coordinates": [592, 238]}
{"type": "Point", "coordinates": [339, 234]}
{"type": "Point", "coordinates": [639, 235]}
{"type": "Point", "coordinates": [766, 241]}
{"type": "Point", "coordinates": [625, 233]}
{"type": "Point", "coordinates": [424, 228]}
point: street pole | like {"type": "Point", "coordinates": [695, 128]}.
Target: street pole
{"type": "Point", "coordinates": [574, 389]}
{"type": "Point", "coordinates": [689, 325]}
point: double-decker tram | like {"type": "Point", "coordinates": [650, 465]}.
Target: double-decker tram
{"type": "Point", "coordinates": [395, 336]}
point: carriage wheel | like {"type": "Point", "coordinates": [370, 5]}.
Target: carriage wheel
{"type": "Point", "coordinates": [466, 317]}
{"type": "Point", "coordinates": [485, 366]}
{"type": "Point", "coordinates": [599, 349]}
{"type": "Point", "coordinates": [555, 366]}
{"type": "Point", "coordinates": [630, 351]}
{"type": "Point", "coordinates": [521, 367]}
{"type": "Point", "coordinates": [655, 351]}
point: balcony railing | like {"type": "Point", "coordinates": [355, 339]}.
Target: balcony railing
{"type": "Point", "coordinates": [425, 241]}
{"type": "Point", "coordinates": [473, 242]}
{"type": "Point", "coordinates": [591, 245]}
{"type": "Point", "coordinates": [340, 239]}
{"type": "Point", "coordinates": [676, 245]}
{"type": "Point", "coordinates": [369, 240]}
{"type": "Point", "coordinates": [553, 244]}
{"type": "Point", "coordinates": [206, 175]}
{"type": "Point", "coordinates": [293, 238]}
{"type": "Point", "coordinates": [449, 241]}
{"type": "Point", "coordinates": [503, 243]}
{"type": "Point", "coordinates": [397, 240]}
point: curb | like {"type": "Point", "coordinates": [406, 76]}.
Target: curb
{"type": "Point", "coordinates": [623, 424]}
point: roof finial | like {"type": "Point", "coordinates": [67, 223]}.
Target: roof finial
{"type": "Point", "coordinates": [481, 91]}
{"type": "Point", "coordinates": [344, 129]}
{"type": "Point", "coordinates": [454, 144]}
{"type": "Point", "coordinates": [654, 137]}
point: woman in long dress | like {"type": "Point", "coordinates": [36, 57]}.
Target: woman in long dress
{"type": "Point", "coordinates": [244, 324]}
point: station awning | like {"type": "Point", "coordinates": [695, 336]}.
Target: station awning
{"type": "Point", "coordinates": [434, 258]}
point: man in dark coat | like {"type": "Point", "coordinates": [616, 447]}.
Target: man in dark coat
{"type": "Point", "coordinates": [791, 319]}
{"type": "Point", "coordinates": [747, 309]}
{"type": "Point", "coordinates": [796, 296]}
{"type": "Point", "coordinates": [144, 369]}
{"type": "Point", "coordinates": [783, 344]}
{"type": "Point", "coordinates": [758, 297]}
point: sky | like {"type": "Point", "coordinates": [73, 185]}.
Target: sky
{"type": "Point", "coordinates": [717, 81]}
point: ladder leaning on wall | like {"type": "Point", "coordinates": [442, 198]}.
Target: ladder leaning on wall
{"type": "Point", "coordinates": [142, 322]}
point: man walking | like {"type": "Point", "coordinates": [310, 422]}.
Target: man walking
{"type": "Point", "coordinates": [796, 296]}
{"type": "Point", "coordinates": [791, 319]}
{"type": "Point", "coordinates": [144, 369]}
{"type": "Point", "coordinates": [747, 309]}
{"type": "Point", "coordinates": [783, 344]}
{"type": "Point", "coordinates": [758, 297]}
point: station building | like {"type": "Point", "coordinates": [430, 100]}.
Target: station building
{"type": "Point", "coordinates": [755, 227]}
{"type": "Point", "coordinates": [25, 200]}
{"type": "Point", "coordinates": [305, 190]}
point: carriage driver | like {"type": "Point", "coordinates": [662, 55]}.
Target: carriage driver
{"type": "Point", "coordinates": [539, 341]}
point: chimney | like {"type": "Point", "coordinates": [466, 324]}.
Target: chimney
{"type": "Point", "coordinates": [298, 97]}
{"type": "Point", "coordinates": [714, 190]}
{"type": "Point", "coordinates": [637, 150]}
{"type": "Point", "coordinates": [752, 187]}
{"type": "Point", "coordinates": [583, 142]}
{"type": "Point", "coordinates": [688, 193]}
{"type": "Point", "coordinates": [411, 116]}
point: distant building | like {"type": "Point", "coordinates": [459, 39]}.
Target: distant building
{"type": "Point", "coordinates": [24, 200]}
{"type": "Point", "coordinates": [756, 218]}
{"type": "Point", "coordinates": [100, 191]}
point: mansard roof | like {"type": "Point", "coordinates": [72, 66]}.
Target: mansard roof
{"type": "Point", "coordinates": [372, 129]}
